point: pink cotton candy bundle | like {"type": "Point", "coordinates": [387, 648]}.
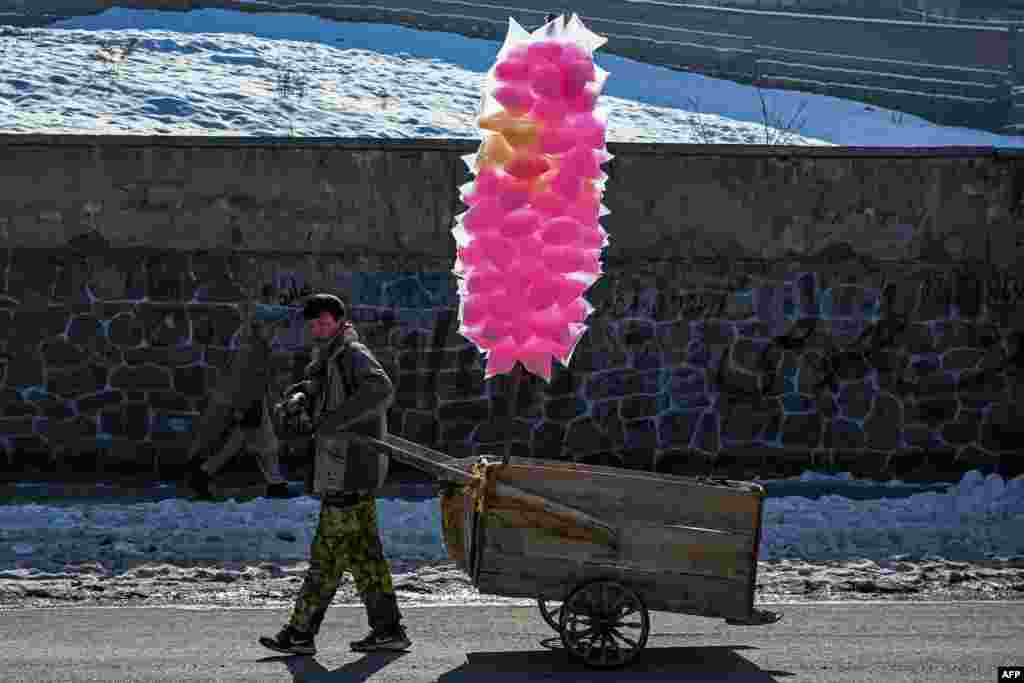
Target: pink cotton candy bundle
{"type": "Point", "coordinates": [530, 244]}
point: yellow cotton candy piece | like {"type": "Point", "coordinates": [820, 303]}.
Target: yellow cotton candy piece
{"type": "Point", "coordinates": [495, 151]}
{"type": "Point", "coordinates": [520, 132]}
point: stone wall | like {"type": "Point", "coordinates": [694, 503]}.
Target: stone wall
{"type": "Point", "coordinates": [764, 310]}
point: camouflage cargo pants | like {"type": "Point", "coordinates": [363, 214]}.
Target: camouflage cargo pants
{"type": "Point", "coordinates": [347, 539]}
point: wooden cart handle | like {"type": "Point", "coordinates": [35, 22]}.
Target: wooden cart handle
{"type": "Point", "coordinates": [448, 468]}
{"type": "Point", "coordinates": [436, 463]}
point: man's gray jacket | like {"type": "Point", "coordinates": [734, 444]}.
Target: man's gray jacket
{"type": "Point", "coordinates": [349, 392]}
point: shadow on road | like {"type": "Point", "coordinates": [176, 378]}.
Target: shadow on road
{"type": "Point", "coordinates": [682, 664]}
{"type": "Point", "coordinates": [308, 670]}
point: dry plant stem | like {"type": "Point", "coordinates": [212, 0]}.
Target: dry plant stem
{"type": "Point", "coordinates": [793, 126]}
{"type": "Point", "coordinates": [764, 115]}
{"type": "Point", "coordinates": [784, 130]}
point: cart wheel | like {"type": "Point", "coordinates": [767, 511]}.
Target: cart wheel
{"type": "Point", "coordinates": [552, 615]}
{"type": "Point", "coordinates": [605, 624]}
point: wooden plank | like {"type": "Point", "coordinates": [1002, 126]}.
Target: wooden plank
{"type": "Point", "coordinates": [688, 550]}
{"type": "Point", "coordinates": [730, 484]}
{"type": "Point", "coordinates": [645, 547]}
{"type": "Point", "coordinates": [524, 500]}
{"type": "Point", "coordinates": [618, 500]}
{"type": "Point", "coordinates": [471, 547]}
{"type": "Point", "coordinates": [453, 513]}
{"type": "Point", "coordinates": [740, 488]}
{"type": "Point", "coordinates": [514, 514]}
{"type": "Point", "coordinates": [436, 463]}
{"type": "Point", "coordinates": [531, 531]}
{"type": "Point", "coordinates": [544, 544]}
{"type": "Point", "coordinates": [736, 493]}
{"type": "Point", "coordinates": [530, 577]}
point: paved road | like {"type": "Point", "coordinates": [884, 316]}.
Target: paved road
{"type": "Point", "coordinates": [892, 643]}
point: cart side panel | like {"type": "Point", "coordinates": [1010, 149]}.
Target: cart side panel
{"type": "Point", "coordinates": [546, 463]}
{"type": "Point", "coordinates": [528, 577]}
{"type": "Point", "coordinates": [453, 512]}
{"type": "Point", "coordinates": [649, 547]}
{"type": "Point", "coordinates": [538, 533]}
{"type": "Point", "coordinates": [619, 499]}
{"type": "Point", "coordinates": [472, 534]}
{"type": "Point", "coordinates": [660, 547]}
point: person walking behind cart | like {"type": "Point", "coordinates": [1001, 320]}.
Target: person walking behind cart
{"type": "Point", "coordinates": [345, 390]}
{"type": "Point", "coordinates": [237, 417]}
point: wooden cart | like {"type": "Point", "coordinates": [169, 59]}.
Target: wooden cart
{"type": "Point", "coordinates": [607, 545]}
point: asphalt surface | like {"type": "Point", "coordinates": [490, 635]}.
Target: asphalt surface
{"type": "Point", "coordinates": [866, 643]}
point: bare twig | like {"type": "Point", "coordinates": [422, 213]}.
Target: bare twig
{"type": "Point", "coordinates": [764, 115]}
{"type": "Point", "coordinates": [772, 121]}
{"type": "Point", "coordinates": [796, 123]}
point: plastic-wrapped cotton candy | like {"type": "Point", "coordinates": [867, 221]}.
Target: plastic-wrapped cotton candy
{"type": "Point", "coordinates": [530, 244]}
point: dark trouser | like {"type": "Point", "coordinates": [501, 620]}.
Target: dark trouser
{"type": "Point", "coordinates": [347, 539]}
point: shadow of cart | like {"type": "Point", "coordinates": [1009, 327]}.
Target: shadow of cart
{"type": "Point", "coordinates": [719, 663]}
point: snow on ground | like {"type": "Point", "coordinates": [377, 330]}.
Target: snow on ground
{"type": "Point", "coordinates": [961, 544]}
{"type": "Point", "coordinates": [217, 72]}
{"type": "Point", "coordinates": [980, 518]}
{"type": "Point", "coordinates": [181, 529]}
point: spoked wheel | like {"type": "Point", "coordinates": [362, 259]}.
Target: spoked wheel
{"type": "Point", "coordinates": [605, 624]}
{"type": "Point", "coordinates": [552, 614]}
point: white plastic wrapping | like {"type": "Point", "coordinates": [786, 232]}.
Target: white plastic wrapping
{"type": "Point", "coordinates": [530, 244]}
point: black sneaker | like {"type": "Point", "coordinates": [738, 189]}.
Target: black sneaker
{"type": "Point", "coordinates": [290, 642]}
{"type": "Point", "coordinates": [395, 640]}
{"type": "Point", "coordinates": [277, 491]}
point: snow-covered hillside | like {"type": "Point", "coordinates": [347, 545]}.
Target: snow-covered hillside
{"type": "Point", "coordinates": [217, 72]}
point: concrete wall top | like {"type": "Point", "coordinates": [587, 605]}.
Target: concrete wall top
{"type": "Point", "coordinates": [400, 197]}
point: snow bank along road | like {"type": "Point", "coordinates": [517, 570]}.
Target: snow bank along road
{"type": "Point", "coordinates": [962, 543]}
